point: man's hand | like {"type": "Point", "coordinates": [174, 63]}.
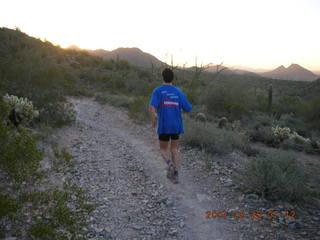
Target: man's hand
{"type": "Point", "coordinates": [152, 114]}
{"type": "Point", "coordinates": [153, 125]}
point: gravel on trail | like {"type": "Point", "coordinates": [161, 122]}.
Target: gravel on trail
{"type": "Point", "coordinates": [119, 165]}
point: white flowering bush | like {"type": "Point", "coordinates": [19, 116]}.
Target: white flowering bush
{"type": "Point", "coordinates": [282, 133]}
{"type": "Point", "coordinates": [22, 106]}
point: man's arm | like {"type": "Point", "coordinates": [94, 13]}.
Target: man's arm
{"type": "Point", "coordinates": [152, 114]}
{"type": "Point", "coordinates": [186, 106]}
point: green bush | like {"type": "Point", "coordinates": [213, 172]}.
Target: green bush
{"type": "Point", "coordinates": [42, 230]}
{"type": "Point", "coordinates": [309, 110]}
{"type": "Point", "coordinates": [136, 85]}
{"type": "Point", "coordinates": [276, 175]}
{"type": "Point", "coordinates": [8, 205]}
{"type": "Point", "coordinates": [138, 108]}
{"type": "Point", "coordinates": [62, 216]}
{"type": "Point", "coordinates": [207, 136]}
{"type": "Point", "coordinates": [58, 114]}
{"type": "Point", "coordinates": [19, 155]}
{"type": "Point", "coordinates": [199, 109]}
{"type": "Point", "coordinates": [230, 100]}
{"type": "Point", "coordinates": [259, 128]}
{"type": "Point", "coordinates": [262, 134]}
{"type": "Point", "coordinates": [298, 146]}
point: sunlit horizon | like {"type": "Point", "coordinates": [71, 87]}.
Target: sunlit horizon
{"type": "Point", "coordinates": [249, 33]}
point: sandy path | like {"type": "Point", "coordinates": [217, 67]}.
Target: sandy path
{"type": "Point", "coordinates": [119, 164]}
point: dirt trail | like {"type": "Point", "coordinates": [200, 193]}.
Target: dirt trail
{"type": "Point", "coordinates": [119, 164]}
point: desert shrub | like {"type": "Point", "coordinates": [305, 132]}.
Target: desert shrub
{"type": "Point", "coordinates": [262, 134]}
{"type": "Point", "coordinates": [287, 104]}
{"type": "Point", "coordinates": [8, 205]}
{"type": "Point", "coordinates": [198, 109]}
{"type": "Point", "coordinates": [138, 108]}
{"type": "Point", "coordinates": [259, 128]}
{"type": "Point", "coordinates": [294, 122]}
{"type": "Point", "coordinates": [230, 100]}
{"type": "Point", "coordinates": [114, 100]}
{"type": "Point", "coordinates": [43, 230]}
{"type": "Point", "coordinates": [62, 158]}
{"type": "Point", "coordinates": [19, 155]}
{"type": "Point", "coordinates": [58, 114]}
{"type": "Point", "coordinates": [276, 175]}
{"type": "Point", "coordinates": [291, 143]}
{"type": "Point", "coordinates": [207, 136]}
{"type": "Point", "coordinates": [262, 102]}
{"type": "Point", "coordinates": [136, 86]}
{"type": "Point", "coordinates": [309, 110]}
{"type": "Point", "coordinates": [262, 120]}
{"type": "Point", "coordinates": [117, 82]}
{"type": "Point", "coordinates": [63, 221]}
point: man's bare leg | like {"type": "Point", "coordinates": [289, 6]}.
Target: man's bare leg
{"type": "Point", "coordinates": [164, 150]}
{"type": "Point", "coordinates": [175, 153]}
{"type": "Point", "coordinates": [176, 160]}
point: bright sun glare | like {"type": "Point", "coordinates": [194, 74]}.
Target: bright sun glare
{"type": "Point", "coordinates": [260, 34]}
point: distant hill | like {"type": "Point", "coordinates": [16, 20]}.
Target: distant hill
{"type": "Point", "coordinates": [293, 72]}
{"type": "Point", "coordinates": [317, 72]}
{"type": "Point", "coordinates": [249, 69]}
{"type": "Point", "coordinates": [230, 70]}
{"type": "Point", "coordinates": [133, 55]}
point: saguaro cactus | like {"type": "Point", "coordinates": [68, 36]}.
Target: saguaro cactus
{"type": "Point", "coordinates": [270, 99]}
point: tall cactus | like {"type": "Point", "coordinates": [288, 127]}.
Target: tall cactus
{"type": "Point", "coordinates": [270, 99]}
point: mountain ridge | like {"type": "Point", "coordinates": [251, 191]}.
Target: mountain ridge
{"type": "Point", "coordinates": [134, 56]}
{"type": "Point", "coordinates": [139, 58]}
{"type": "Point", "coordinates": [293, 72]}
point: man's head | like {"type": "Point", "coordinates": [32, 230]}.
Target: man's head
{"type": "Point", "coordinates": [167, 75]}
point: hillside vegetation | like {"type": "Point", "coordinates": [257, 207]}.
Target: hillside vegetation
{"type": "Point", "coordinates": [278, 113]}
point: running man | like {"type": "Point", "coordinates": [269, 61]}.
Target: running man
{"type": "Point", "coordinates": [166, 104]}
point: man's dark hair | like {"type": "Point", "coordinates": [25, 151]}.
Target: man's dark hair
{"type": "Point", "coordinates": [167, 75]}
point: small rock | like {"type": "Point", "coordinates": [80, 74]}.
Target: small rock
{"type": "Point", "coordinates": [252, 196]}
{"type": "Point", "coordinates": [181, 224]}
{"type": "Point", "coordinates": [202, 197]}
{"type": "Point", "coordinates": [314, 218]}
{"type": "Point", "coordinates": [173, 232]}
{"type": "Point", "coordinates": [136, 227]}
{"type": "Point", "coordinates": [229, 183]}
{"type": "Point", "coordinates": [241, 198]}
{"type": "Point", "coordinates": [215, 171]}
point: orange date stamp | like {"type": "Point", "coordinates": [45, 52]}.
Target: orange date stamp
{"type": "Point", "coordinates": [255, 214]}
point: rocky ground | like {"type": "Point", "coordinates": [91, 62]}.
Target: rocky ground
{"type": "Point", "coordinates": [118, 163]}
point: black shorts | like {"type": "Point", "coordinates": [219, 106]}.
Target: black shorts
{"type": "Point", "coordinates": [166, 137]}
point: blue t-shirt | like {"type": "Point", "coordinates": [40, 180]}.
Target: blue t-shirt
{"type": "Point", "coordinates": [169, 102]}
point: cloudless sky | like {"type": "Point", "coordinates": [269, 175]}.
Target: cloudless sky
{"type": "Point", "coordinates": [255, 33]}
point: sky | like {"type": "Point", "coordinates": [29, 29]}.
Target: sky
{"type": "Point", "coordinates": [255, 33]}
